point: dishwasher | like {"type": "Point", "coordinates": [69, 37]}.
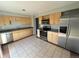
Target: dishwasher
{"type": "Point", "coordinates": [6, 37]}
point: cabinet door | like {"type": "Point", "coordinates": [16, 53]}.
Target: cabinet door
{"type": "Point", "coordinates": [24, 20]}
{"type": "Point", "coordinates": [40, 20]}
{"type": "Point", "coordinates": [51, 17]}
{"type": "Point", "coordinates": [29, 21]}
{"type": "Point", "coordinates": [45, 17]}
{"type": "Point", "coordinates": [6, 19]}
{"type": "Point", "coordinates": [20, 20]}
{"type": "Point", "coordinates": [1, 21]}
{"type": "Point", "coordinates": [53, 37]}
{"type": "Point", "coordinates": [19, 34]}
{"type": "Point", "coordinates": [29, 32]}
{"type": "Point", "coordinates": [13, 19]}
{"type": "Point", "coordinates": [55, 18]}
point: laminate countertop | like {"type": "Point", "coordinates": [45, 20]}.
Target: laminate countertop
{"type": "Point", "coordinates": [53, 30]}
{"type": "Point", "coordinates": [9, 30]}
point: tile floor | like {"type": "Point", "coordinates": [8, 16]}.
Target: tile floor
{"type": "Point", "coordinates": [33, 47]}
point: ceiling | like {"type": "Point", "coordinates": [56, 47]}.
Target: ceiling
{"type": "Point", "coordinates": [31, 7]}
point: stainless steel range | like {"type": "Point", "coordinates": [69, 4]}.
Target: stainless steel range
{"type": "Point", "coordinates": [43, 32]}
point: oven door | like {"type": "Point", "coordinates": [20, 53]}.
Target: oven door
{"type": "Point", "coordinates": [43, 35]}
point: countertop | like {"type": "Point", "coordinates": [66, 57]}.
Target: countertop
{"type": "Point", "coordinates": [57, 31]}
{"type": "Point", "coordinates": [8, 30]}
{"type": "Point", "coordinates": [53, 30]}
{"type": "Point", "coordinates": [62, 34]}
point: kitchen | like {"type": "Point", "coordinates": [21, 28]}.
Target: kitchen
{"type": "Point", "coordinates": [62, 30]}
{"type": "Point", "coordinates": [49, 34]}
{"type": "Point", "coordinates": [14, 28]}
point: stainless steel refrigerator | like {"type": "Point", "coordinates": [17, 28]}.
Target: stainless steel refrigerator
{"type": "Point", "coordinates": [62, 37]}
{"type": "Point", "coordinates": [73, 35]}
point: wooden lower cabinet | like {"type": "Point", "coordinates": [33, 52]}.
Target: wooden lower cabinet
{"type": "Point", "coordinates": [5, 20]}
{"type": "Point", "coordinates": [53, 37]}
{"type": "Point", "coordinates": [19, 34]}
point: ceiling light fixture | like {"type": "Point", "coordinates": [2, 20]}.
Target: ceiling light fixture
{"type": "Point", "coordinates": [23, 10]}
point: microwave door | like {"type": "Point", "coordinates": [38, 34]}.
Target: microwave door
{"type": "Point", "coordinates": [45, 21]}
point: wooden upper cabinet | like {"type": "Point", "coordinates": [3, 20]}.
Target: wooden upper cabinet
{"type": "Point", "coordinates": [43, 18]}
{"type": "Point", "coordinates": [29, 21]}
{"type": "Point", "coordinates": [19, 20]}
{"type": "Point", "coordinates": [5, 20]}
{"type": "Point", "coordinates": [51, 18]}
{"type": "Point", "coordinates": [13, 18]}
{"type": "Point", "coordinates": [46, 17]}
{"type": "Point", "coordinates": [1, 21]}
{"type": "Point", "coordinates": [24, 20]}
{"type": "Point", "coordinates": [55, 18]}
{"type": "Point", "coordinates": [40, 19]}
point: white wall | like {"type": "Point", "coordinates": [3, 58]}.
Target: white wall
{"type": "Point", "coordinates": [34, 25]}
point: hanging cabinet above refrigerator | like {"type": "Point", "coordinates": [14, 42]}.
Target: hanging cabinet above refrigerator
{"type": "Point", "coordinates": [70, 13]}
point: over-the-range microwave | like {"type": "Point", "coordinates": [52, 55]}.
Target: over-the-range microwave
{"type": "Point", "coordinates": [46, 21]}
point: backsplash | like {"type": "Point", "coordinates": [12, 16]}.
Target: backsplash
{"type": "Point", "coordinates": [52, 26]}
{"type": "Point", "coordinates": [63, 22]}
{"type": "Point", "coordinates": [55, 26]}
{"type": "Point", "coordinates": [14, 26]}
